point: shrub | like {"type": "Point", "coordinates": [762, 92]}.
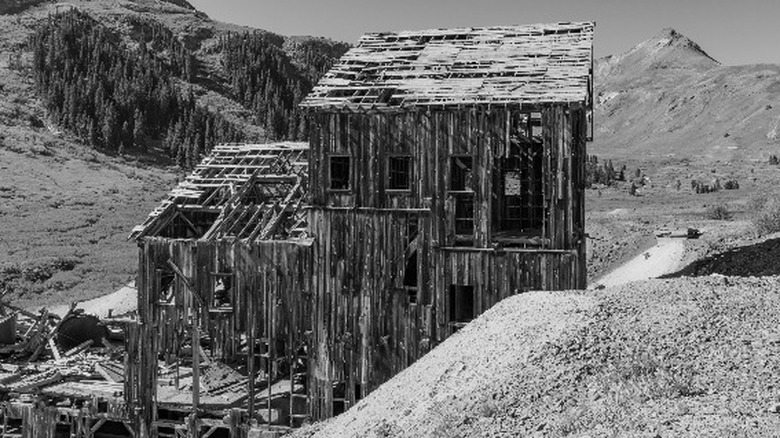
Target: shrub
{"type": "Point", "coordinates": [765, 214]}
{"type": "Point", "coordinates": [718, 211]}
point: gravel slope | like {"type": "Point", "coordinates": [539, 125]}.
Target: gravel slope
{"type": "Point", "coordinates": [675, 357]}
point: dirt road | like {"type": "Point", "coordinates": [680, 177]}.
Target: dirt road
{"type": "Point", "coordinates": [118, 303]}
{"type": "Point", "coordinates": [663, 258]}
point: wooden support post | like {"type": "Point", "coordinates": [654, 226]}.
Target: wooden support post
{"type": "Point", "coordinates": [195, 358]}
{"type": "Point", "coordinates": [269, 337]}
{"type": "Point", "coordinates": [251, 336]}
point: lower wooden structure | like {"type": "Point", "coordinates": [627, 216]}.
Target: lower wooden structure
{"type": "Point", "coordinates": [224, 334]}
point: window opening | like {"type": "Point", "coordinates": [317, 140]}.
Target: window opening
{"type": "Point", "coordinates": [536, 126]}
{"type": "Point", "coordinates": [518, 189]}
{"type": "Point", "coordinates": [461, 303]}
{"type": "Point", "coordinates": [223, 289]}
{"type": "Point", "coordinates": [461, 184]}
{"type": "Point", "coordinates": [410, 278]}
{"type": "Point", "coordinates": [165, 282]}
{"type": "Point", "coordinates": [461, 173]}
{"type": "Point", "coordinates": [339, 173]}
{"type": "Point", "coordinates": [400, 173]}
{"type": "Point", "coordinates": [464, 214]}
{"type": "Point", "coordinates": [412, 229]}
{"type": "Point", "coordinates": [339, 398]}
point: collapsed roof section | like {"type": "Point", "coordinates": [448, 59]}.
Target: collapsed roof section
{"type": "Point", "coordinates": [532, 64]}
{"type": "Point", "coordinates": [241, 191]}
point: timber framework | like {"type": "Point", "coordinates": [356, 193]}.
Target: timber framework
{"type": "Point", "coordinates": [281, 283]}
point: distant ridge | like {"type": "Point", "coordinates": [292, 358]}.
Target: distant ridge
{"type": "Point", "coordinates": [183, 3]}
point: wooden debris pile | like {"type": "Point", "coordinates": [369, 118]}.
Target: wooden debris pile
{"type": "Point", "coordinates": [60, 373]}
{"type": "Point", "coordinates": [25, 336]}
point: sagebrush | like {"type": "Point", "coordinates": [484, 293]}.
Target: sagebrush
{"type": "Point", "coordinates": [718, 211]}
{"type": "Point", "coordinates": [765, 214]}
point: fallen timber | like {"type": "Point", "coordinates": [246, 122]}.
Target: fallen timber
{"type": "Point", "coordinates": [47, 391]}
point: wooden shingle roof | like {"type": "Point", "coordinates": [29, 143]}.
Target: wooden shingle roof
{"type": "Point", "coordinates": [530, 64]}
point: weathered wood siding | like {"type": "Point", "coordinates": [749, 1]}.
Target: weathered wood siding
{"type": "Point", "coordinates": [270, 296]}
{"type": "Point", "coordinates": [431, 138]}
{"type": "Point", "coordinates": [497, 275]}
{"type": "Point", "coordinates": [364, 328]}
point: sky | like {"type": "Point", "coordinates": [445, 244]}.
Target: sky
{"type": "Point", "coordinates": [734, 32]}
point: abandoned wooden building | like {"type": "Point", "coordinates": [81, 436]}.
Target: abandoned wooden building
{"type": "Point", "coordinates": [280, 282]}
{"type": "Point", "coordinates": [446, 173]}
{"type": "Point", "coordinates": [223, 295]}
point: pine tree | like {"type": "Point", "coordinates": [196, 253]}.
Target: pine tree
{"type": "Point", "coordinates": [127, 135]}
{"type": "Point", "coordinates": [109, 127]}
{"type": "Point", "coordinates": [139, 131]}
{"type": "Point", "coordinates": [94, 140]}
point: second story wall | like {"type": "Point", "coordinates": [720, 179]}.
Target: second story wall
{"type": "Point", "coordinates": [484, 173]}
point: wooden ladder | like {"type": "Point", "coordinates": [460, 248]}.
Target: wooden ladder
{"type": "Point", "coordinates": [295, 375]}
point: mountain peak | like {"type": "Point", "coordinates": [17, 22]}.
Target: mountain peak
{"type": "Point", "coordinates": [671, 38]}
{"type": "Point", "coordinates": [670, 32]}
{"type": "Point", "coordinates": [668, 49]}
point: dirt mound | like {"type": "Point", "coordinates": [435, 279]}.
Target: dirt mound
{"type": "Point", "coordinates": [756, 259]}
{"type": "Point", "coordinates": [682, 357]}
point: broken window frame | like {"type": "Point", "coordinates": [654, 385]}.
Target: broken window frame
{"type": "Point", "coordinates": [399, 178]}
{"type": "Point", "coordinates": [166, 290]}
{"type": "Point", "coordinates": [461, 181]}
{"type": "Point", "coordinates": [215, 278]}
{"type": "Point", "coordinates": [461, 190]}
{"type": "Point", "coordinates": [344, 181]}
{"type": "Point", "coordinates": [411, 278]}
{"type": "Point", "coordinates": [463, 215]}
{"type": "Point", "coordinates": [520, 215]}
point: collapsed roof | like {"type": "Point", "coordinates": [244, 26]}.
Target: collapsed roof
{"type": "Point", "coordinates": [241, 191]}
{"type": "Point", "coordinates": [529, 64]}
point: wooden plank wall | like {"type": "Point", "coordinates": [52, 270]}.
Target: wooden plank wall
{"type": "Point", "coordinates": [365, 329]}
{"type": "Point", "coordinates": [564, 165]}
{"type": "Point", "coordinates": [271, 280]}
{"type": "Point", "coordinates": [38, 421]}
{"type": "Point", "coordinates": [431, 138]}
{"type": "Point", "coordinates": [498, 275]}
{"type": "Point", "coordinates": [40, 418]}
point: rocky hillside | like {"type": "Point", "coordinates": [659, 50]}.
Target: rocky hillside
{"type": "Point", "coordinates": [684, 357]}
{"type": "Point", "coordinates": [667, 98]}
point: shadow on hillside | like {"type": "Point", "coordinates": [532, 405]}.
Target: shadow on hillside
{"type": "Point", "coordinates": [757, 260]}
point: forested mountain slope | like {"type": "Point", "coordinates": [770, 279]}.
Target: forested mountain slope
{"type": "Point", "coordinates": [103, 105]}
